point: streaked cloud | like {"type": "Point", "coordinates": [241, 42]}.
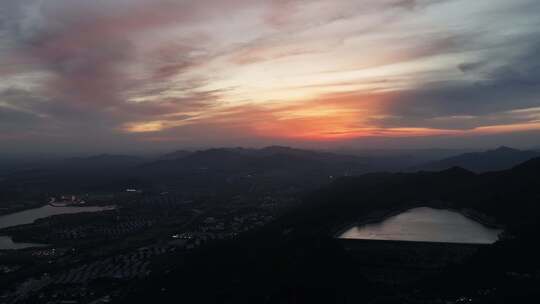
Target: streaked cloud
{"type": "Point", "coordinates": [204, 72]}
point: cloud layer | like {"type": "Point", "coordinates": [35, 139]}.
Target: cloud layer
{"type": "Point", "coordinates": [198, 73]}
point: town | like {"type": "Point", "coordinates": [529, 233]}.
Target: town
{"type": "Point", "coordinates": [130, 242]}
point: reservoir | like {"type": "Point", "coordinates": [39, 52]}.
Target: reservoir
{"type": "Point", "coordinates": [426, 225]}
{"type": "Point", "coordinates": [29, 216]}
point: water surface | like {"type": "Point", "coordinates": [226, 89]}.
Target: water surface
{"type": "Point", "coordinates": [427, 225]}
{"type": "Point", "coordinates": [30, 215]}
{"type": "Point", "coordinates": [7, 243]}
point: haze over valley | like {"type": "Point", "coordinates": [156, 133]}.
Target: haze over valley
{"type": "Point", "coordinates": [269, 151]}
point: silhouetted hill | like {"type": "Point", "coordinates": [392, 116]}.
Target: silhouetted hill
{"type": "Point", "coordinates": [271, 159]}
{"type": "Point", "coordinates": [175, 155]}
{"type": "Point", "coordinates": [97, 172]}
{"type": "Point", "coordinates": [102, 161]}
{"type": "Point", "coordinates": [218, 167]}
{"type": "Point", "coordinates": [531, 166]}
{"type": "Point", "coordinates": [317, 155]}
{"type": "Point", "coordinates": [511, 196]}
{"type": "Point", "coordinates": [493, 160]}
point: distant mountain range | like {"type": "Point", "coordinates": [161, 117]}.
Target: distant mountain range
{"type": "Point", "coordinates": [266, 151]}
{"type": "Point", "coordinates": [104, 160]}
{"type": "Point", "coordinates": [175, 155]}
{"type": "Point", "coordinates": [277, 165]}
{"type": "Point", "coordinates": [492, 160]}
{"type": "Point", "coordinates": [215, 168]}
{"type": "Point", "coordinates": [276, 162]}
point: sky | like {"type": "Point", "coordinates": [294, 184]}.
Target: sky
{"type": "Point", "coordinates": [137, 75]}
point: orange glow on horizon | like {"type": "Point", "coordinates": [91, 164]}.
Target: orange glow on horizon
{"type": "Point", "coordinates": [332, 117]}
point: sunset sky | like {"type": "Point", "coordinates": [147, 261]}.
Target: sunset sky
{"type": "Point", "coordinates": [157, 74]}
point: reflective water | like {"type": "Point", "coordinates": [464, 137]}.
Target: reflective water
{"type": "Point", "coordinates": [426, 224]}
{"type": "Point", "coordinates": [29, 216]}
{"type": "Point", "coordinates": [7, 243]}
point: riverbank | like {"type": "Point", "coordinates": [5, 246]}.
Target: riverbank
{"type": "Point", "coordinates": [8, 243]}
{"type": "Point", "coordinates": [14, 225]}
{"type": "Point", "coordinates": [31, 215]}
{"type": "Point", "coordinates": [18, 207]}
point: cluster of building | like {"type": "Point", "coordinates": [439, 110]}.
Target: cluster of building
{"type": "Point", "coordinates": [111, 231]}
{"type": "Point", "coordinates": [162, 201]}
{"type": "Point", "coordinates": [49, 252]}
{"type": "Point", "coordinates": [124, 266]}
{"type": "Point", "coordinates": [216, 229]}
{"type": "Point", "coordinates": [82, 268]}
{"type": "Point", "coordinates": [26, 288]}
{"type": "Point", "coordinates": [66, 200]}
{"type": "Point", "coordinates": [5, 269]}
{"type": "Point", "coordinates": [132, 265]}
